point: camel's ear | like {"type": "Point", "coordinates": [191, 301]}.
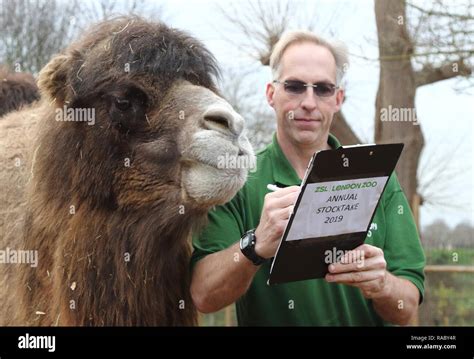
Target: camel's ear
{"type": "Point", "coordinates": [52, 78]}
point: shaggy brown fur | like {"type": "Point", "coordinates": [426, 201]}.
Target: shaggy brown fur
{"type": "Point", "coordinates": [87, 209]}
{"type": "Point", "coordinates": [16, 90]}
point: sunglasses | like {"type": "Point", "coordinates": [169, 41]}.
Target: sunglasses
{"type": "Point", "coordinates": [295, 87]}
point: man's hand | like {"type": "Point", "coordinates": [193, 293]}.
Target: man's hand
{"type": "Point", "coordinates": [275, 214]}
{"type": "Point", "coordinates": [395, 299]}
{"type": "Point", "coordinates": [364, 267]}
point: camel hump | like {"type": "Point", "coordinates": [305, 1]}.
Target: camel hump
{"type": "Point", "coordinates": [17, 137]}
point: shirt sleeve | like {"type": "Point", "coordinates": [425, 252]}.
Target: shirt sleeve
{"type": "Point", "coordinates": [225, 227]}
{"type": "Point", "coordinates": [403, 251]}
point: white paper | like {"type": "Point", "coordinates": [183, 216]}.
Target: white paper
{"type": "Point", "coordinates": [336, 207]}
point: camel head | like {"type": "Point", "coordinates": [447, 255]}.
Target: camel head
{"type": "Point", "coordinates": [138, 121]}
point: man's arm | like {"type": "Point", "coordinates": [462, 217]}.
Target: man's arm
{"type": "Point", "coordinates": [399, 304]}
{"type": "Point", "coordinates": [219, 279]}
{"type": "Point", "coordinates": [395, 299]}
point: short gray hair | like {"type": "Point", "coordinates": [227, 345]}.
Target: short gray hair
{"type": "Point", "coordinates": [337, 49]}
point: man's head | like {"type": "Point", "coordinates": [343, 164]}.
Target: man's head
{"type": "Point", "coordinates": [304, 113]}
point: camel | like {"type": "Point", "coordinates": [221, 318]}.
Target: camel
{"type": "Point", "coordinates": [17, 89]}
{"type": "Point", "coordinates": [118, 167]}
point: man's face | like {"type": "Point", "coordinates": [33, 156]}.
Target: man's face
{"type": "Point", "coordinates": [304, 119]}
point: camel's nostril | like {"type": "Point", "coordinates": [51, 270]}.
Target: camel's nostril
{"type": "Point", "coordinates": [223, 119]}
{"type": "Point", "coordinates": [216, 121]}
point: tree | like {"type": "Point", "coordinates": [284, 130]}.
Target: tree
{"type": "Point", "coordinates": [258, 116]}
{"type": "Point", "coordinates": [399, 46]}
{"type": "Point", "coordinates": [436, 235]}
{"type": "Point", "coordinates": [413, 52]}
{"type": "Point", "coordinates": [33, 30]}
{"type": "Point", "coordinates": [105, 9]}
{"type": "Point", "coordinates": [262, 25]}
{"type": "Point", "coordinates": [463, 236]}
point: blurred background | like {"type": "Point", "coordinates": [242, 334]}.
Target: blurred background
{"type": "Point", "coordinates": [410, 80]}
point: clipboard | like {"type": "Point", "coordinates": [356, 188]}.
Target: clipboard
{"type": "Point", "coordinates": [334, 210]}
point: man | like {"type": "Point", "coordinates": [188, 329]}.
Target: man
{"type": "Point", "coordinates": [387, 288]}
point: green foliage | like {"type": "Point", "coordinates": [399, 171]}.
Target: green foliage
{"type": "Point", "coordinates": [449, 299]}
{"type": "Point", "coordinates": [224, 317]}
{"type": "Point", "coordinates": [455, 256]}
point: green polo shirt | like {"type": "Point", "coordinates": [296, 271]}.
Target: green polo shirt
{"type": "Point", "coordinates": [310, 302]}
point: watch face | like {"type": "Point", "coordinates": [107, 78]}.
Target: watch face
{"type": "Point", "coordinates": [247, 246]}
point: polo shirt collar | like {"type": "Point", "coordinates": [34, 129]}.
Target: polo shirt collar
{"type": "Point", "coordinates": [283, 173]}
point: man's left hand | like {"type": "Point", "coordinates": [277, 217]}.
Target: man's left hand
{"type": "Point", "coordinates": [365, 268]}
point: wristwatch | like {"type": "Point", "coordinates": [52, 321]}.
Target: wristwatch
{"type": "Point", "coordinates": [247, 247]}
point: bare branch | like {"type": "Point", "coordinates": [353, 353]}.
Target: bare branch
{"type": "Point", "coordinates": [263, 23]}
{"type": "Point", "coordinates": [32, 31]}
{"type": "Point", "coordinates": [465, 52]}
{"type": "Point", "coordinates": [431, 12]}
{"type": "Point", "coordinates": [430, 74]}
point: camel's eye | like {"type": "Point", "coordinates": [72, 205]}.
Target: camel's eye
{"type": "Point", "coordinates": [122, 104]}
{"type": "Point", "coordinates": [127, 108]}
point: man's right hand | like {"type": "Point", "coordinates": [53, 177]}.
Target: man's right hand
{"type": "Point", "coordinates": [276, 211]}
